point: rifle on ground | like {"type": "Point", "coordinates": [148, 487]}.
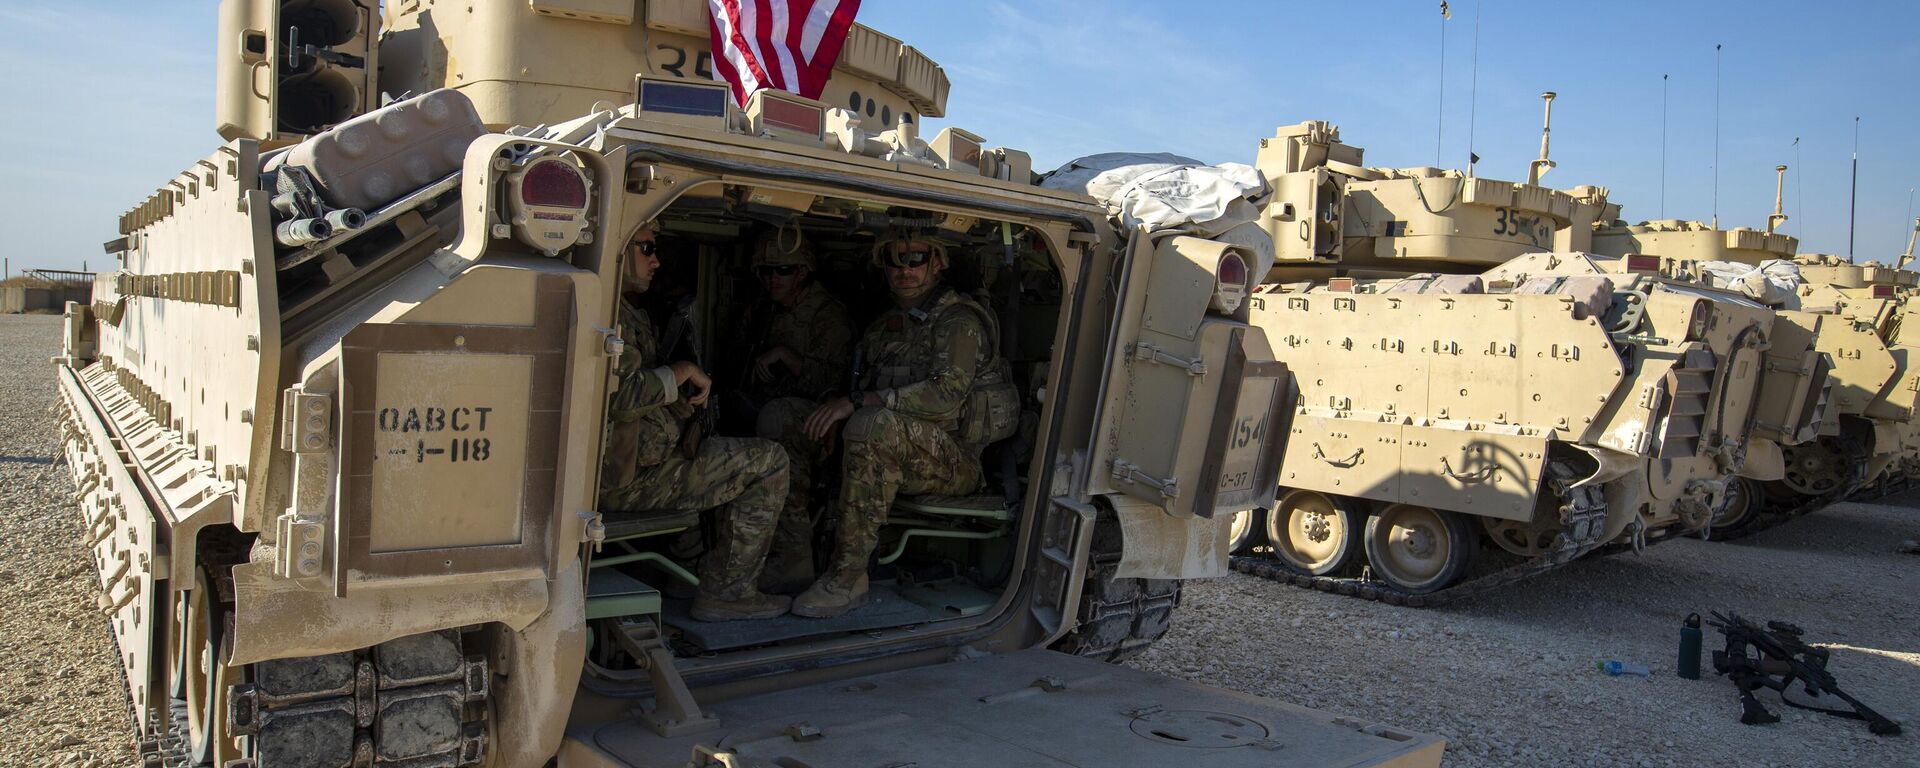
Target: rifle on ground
{"type": "Point", "coordinates": [1776, 658]}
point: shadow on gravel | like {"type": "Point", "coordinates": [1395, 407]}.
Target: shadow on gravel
{"type": "Point", "coordinates": [37, 460]}
{"type": "Point", "coordinates": [1848, 532]}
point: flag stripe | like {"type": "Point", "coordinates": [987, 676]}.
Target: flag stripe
{"type": "Point", "coordinates": [774, 37]}
{"type": "Point", "coordinates": [791, 45]}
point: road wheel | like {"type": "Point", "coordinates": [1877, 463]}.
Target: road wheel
{"type": "Point", "coordinates": [1740, 505]}
{"type": "Point", "coordinates": [1246, 531]}
{"type": "Point", "coordinates": [1816, 469]}
{"type": "Point", "coordinates": [200, 678]}
{"type": "Point", "coordinates": [1418, 549]}
{"type": "Point", "coordinates": [1312, 532]}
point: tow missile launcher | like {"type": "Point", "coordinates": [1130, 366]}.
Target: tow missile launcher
{"type": "Point", "coordinates": [1478, 401]}
{"type": "Point", "coordinates": [337, 419]}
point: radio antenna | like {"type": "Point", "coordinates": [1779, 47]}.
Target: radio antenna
{"type": "Point", "coordinates": [1716, 135]}
{"type": "Point", "coordinates": [1473, 90]}
{"type": "Point", "coordinates": [1853, 196]}
{"type": "Point", "coordinates": [1663, 146]}
{"type": "Point", "coordinates": [1440, 124]}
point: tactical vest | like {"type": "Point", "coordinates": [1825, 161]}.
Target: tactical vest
{"type": "Point", "coordinates": [650, 433]}
{"type": "Point", "coordinates": [991, 412]}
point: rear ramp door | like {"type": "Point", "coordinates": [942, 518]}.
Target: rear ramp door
{"type": "Point", "coordinates": [1030, 708]}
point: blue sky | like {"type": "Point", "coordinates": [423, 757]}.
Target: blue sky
{"type": "Point", "coordinates": [107, 99]}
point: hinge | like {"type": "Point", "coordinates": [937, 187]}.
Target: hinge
{"type": "Point", "coordinates": [594, 528]}
{"type": "Point", "coordinates": [611, 344]}
{"type": "Point", "coordinates": [1148, 352]}
{"type": "Point", "coordinates": [306, 421]}
{"type": "Point", "coordinates": [1129, 472]}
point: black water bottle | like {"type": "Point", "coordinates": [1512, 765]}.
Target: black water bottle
{"type": "Point", "coordinates": [1690, 647]}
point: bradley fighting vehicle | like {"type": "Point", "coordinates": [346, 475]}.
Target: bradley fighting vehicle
{"type": "Point", "coordinates": [1478, 402]}
{"type": "Point", "coordinates": [1852, 316]}
{"type": "Point", "coordinates": [337, 417]}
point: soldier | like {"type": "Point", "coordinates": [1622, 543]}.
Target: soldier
{"type": "Point", "coordinates": [647, 468]}
{"type": "Point", "coordinates": [802, 345]}
{"type": "Point", "coordinates": [801, 356]}
{"type": "Point", "coordinates": [931, 392]}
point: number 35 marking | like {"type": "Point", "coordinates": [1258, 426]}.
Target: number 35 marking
{"type": "Point", "coordinates": [702, 64]}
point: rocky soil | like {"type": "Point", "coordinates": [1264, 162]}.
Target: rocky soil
{"type": "Point", "coordinates": [1508, 678]}
{"type": "Point", "coordinates": [63, 701]}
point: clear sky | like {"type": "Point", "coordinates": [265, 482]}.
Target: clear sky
{"type": "Point", "coordinates": [107, 99]}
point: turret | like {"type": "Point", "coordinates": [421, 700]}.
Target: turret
{"type": "Point", "coordinates": [288, 69]}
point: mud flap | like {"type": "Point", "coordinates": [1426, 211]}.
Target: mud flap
{"type": "Point", "coordinates": [1765, 461]}
{"type": "Point", "coordinates": [1160, 546]}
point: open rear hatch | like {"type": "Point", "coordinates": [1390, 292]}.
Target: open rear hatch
{"type": "Point", "coordinates": [1029, 708]}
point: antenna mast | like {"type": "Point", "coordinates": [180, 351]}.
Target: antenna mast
{"type": "Point", "coordinates": [1440, 126]}
{"type": "Point", "coordinates": [1779, 216]}
{"type": "Point", "coordinates": [1908, 256]}
{"type": "Point", "coordinates": [1539, 168]}
{"type": "Point", "coordinates": [1473, 90]}
{"type": "Point", "coordinates": [1663, 146]}
{"type": "Point", "coordinates": [1853, 196]}
{"type": "Point", "coordinates": [1716, 135]}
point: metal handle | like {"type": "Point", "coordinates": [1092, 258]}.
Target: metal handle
{"type": "Point", "coordinates": [1473, 478]}
{"type": "Point", "coordinates": [1345, 463]}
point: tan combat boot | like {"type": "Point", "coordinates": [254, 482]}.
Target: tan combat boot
{"type": "Point", "coordinates": [835, 593]}
{"type": "Point", "coordinates": [787, 573]}
{"type": "Point", "coordinates": [754, 605]}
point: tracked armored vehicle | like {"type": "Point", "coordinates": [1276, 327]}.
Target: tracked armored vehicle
{"type": "Point", "coordinates": [1851, 316]}
{"type": "Point", "coordinates": [337, 420]}
{"type": "Point", "coordinates": [1480, 402]}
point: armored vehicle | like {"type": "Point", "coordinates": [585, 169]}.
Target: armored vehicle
{"type": "Point", "coordinates": [1478, 400]}
{"type": "Point", "coordinates": [1851, 316]}
{"type": "Point", "coordinates": [337, 419]}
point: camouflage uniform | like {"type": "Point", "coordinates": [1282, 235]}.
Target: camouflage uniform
{"type": "Point", "coordinates": [924, 363]}
{"type": "Point", "coordinates": [643, 468]}
{"type": "Point", "coordinates": [818, 330]}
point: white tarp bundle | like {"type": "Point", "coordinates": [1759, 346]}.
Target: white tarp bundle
{"type": "Point", "coordinates": [1161, 191]}
{"type": "Point", "coordinates": [1775, 283]}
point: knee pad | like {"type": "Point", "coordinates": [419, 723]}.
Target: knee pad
{"type": "Point", "coordinates": [777, 416]}
{"type": "Point", "coordinates": [866, 424]}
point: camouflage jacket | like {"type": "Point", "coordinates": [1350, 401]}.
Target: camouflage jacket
{"type": "Point", "coordinates": [924, 362]}
{"type": "Point", "coordinates": [817, 329]}
{"type": "Point", "coordinates": [646, 413]}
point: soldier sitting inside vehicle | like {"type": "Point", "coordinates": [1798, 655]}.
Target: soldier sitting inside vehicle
{"type": "Point", "coordinates": [931, 392]}
{"type": "Point", "coordinates": [647, 467]}
{"type": "Point", "coordinates": [798, 345]}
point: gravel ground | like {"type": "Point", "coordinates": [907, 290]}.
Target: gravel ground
{"type": "Point", "coordinates": [63, 701]}
{"type": "Point", "coordinates": [1508, 678]}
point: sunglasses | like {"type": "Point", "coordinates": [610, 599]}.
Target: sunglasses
{"type": "Point", "coordinates": [906, 259]}
{"type": "Point", "coordinates": [647, 248]}
{"type": "Point", "coordinates": [782, 270]}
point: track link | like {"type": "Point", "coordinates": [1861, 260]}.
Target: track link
{"type": "Point", "coordinates": [1583, 515]}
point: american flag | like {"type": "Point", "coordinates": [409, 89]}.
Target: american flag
{"type": "Point", "coordinates": [790, 45]}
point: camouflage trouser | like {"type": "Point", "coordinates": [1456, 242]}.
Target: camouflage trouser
{"type": "Point", "coordinates": [784, 421]}
{"type": "Point", "coordinates": [745, 475]}
{"type": "Point", "coordinates": [888, 454]}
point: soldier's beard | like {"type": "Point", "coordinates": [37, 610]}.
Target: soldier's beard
{"type": "Point", "coordinates": [907, 297]}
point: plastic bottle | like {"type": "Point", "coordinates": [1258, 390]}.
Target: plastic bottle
{"type": "Point", "coordinates": [1689, 667]}
{"type": "Point", "coordinates": [1619, 668]}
